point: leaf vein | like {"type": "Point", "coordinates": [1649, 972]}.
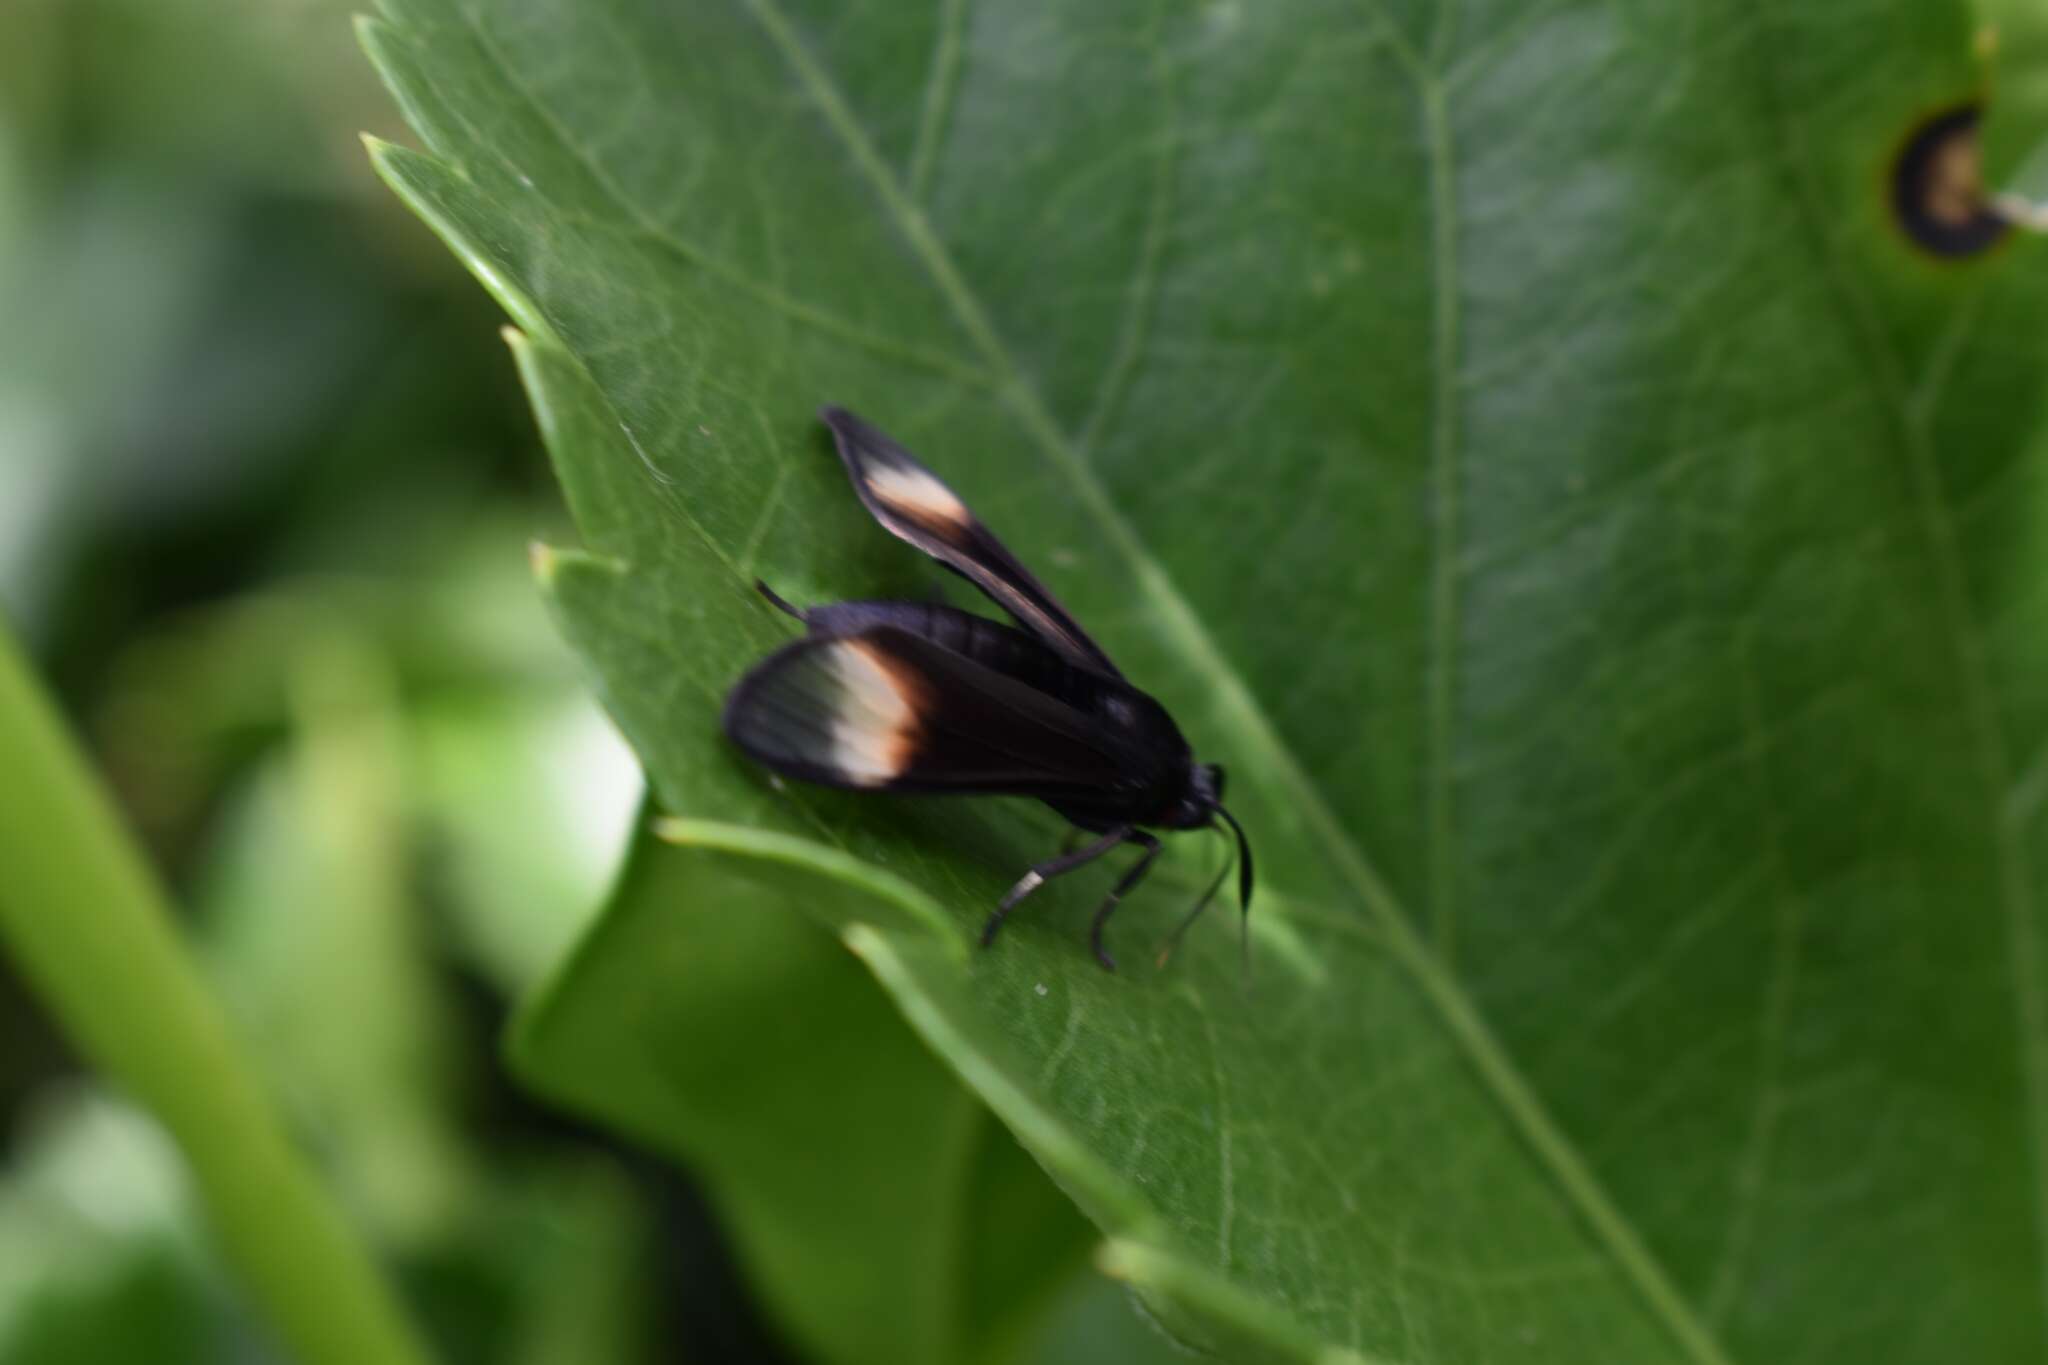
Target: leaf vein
{"type": "Point", "coordinates": [641, 223]}
{"type": "Point", "coordinates": [1144, 288]}
{"type": "Point", "coordinates": [940, 86]}
{"type": "Point", "coordinates": [1444, 538]}
{"type": "Point", "coordinates": [1759, 1145]}
{"type": "Point", "coordinates": [1226, 1165]}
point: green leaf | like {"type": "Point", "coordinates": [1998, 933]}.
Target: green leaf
{"type": "Point", "coordinates": [1513, 438]}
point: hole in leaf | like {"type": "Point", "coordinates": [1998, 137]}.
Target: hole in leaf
{"type": "Point", "coordinates": [1938, 188]}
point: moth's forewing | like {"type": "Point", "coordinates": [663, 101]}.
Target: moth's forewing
{"type": "Point", "coordinates": [915, 505]}
{"type": "Point", "coordinates": [887, 709]}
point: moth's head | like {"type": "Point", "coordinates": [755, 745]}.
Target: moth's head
{"type": "Point", "coordinates": [1198, 802]}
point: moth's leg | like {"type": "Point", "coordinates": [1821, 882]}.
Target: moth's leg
{"type": "Point", "coordinates": [1044, 872]}
{"type": "Point", "coordinates": [1130, 879]}
{"type": "Point", "coordinates": [775, 600]}
{"type": "Point", "coordinates": [1173, 939]}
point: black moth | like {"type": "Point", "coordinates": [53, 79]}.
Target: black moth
{"type": "Point", "coordinates": [919, 697]}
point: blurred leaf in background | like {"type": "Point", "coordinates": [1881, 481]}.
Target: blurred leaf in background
{"type": "Point", "coordinates": [266, 484]}
{"type": "Point", "coordinates": [98, 1255]}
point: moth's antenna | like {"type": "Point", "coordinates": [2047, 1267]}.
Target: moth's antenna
{"type": "Point", "coordinates": [1244, 891]}
{"type": "Point", "coordinates": [1173, 939]}
{"type": "Point", "coordinates": [775, 600]}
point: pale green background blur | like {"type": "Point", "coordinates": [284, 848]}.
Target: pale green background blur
{"type": "Point", "coordinates": [265, 483]}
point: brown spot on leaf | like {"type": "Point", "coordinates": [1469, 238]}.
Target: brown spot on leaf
{"type": "Point", "coordinates": [1937, 187]}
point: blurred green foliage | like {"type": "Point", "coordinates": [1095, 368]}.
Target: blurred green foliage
{"type": "Point", "coordinates": [273, 557]}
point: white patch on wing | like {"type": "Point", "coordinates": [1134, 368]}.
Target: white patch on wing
{"type": "Point", "coordinates": [875, 725]}
{"type": "Point", "coordinates": [916, 495]}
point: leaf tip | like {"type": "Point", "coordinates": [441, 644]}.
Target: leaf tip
{"type": "Point", "coordinates": [369, 31]}
{"type": "Point", "coordinates": [1119, 1259]}
{"type": "Point", "coordinates": [545, 561]}
{"type": "Point", "coordinates": [861, 939]}
{"type": "Point", "coordinates": [388, 160]}
{"type": "Point", "coordinates": [552, 565]}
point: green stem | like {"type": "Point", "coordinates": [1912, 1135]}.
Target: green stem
{"type": "Point", "coordinates": [92, 933]}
